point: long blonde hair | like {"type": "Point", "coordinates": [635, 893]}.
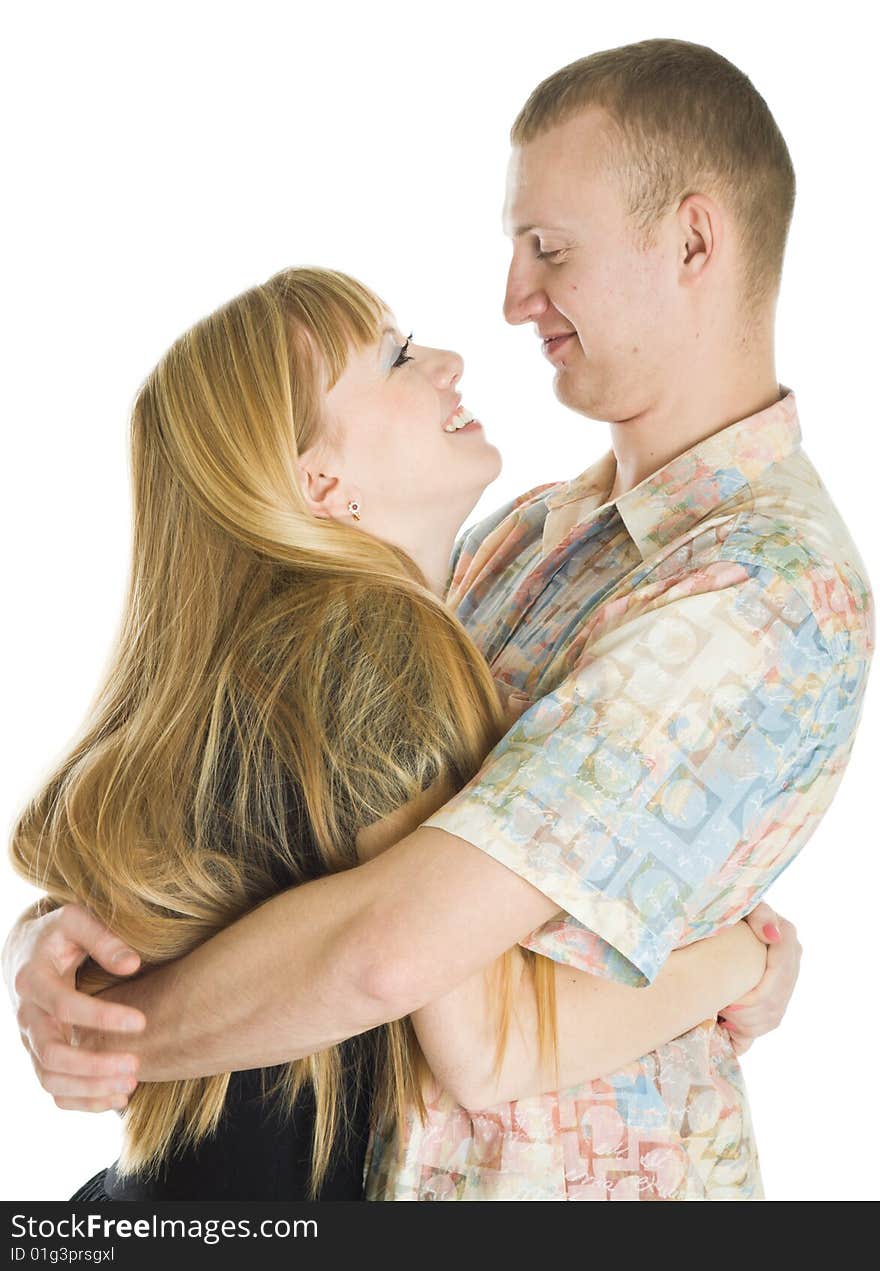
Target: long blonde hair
{"type": "Point", "coordinates": [279, 681]}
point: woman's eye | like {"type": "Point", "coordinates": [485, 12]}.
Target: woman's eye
{"type": "Point", "coordinates": [560, 251]}
{"type": "Point", "coordinates": [402, 357]}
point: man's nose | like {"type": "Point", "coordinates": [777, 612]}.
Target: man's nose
{"type": "Point", "coordinates": [524, 298]}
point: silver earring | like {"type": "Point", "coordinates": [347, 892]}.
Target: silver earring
{"type": "Point", "coordinates": [354, 509]}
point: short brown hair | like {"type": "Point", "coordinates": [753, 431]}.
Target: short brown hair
{"type": "Point", "coordinates": [687, 120]}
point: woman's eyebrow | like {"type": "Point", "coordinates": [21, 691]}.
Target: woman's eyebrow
{"type": "Point", "coordinates": [386, 331]}
{"type": "Point", "coordinates": [382, 353]}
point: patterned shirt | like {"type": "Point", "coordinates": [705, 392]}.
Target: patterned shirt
{"type": "Point", "coordinates": [698, 650]}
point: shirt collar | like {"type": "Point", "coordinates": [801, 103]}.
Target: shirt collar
{"type": "Point", "coordinates": [685, 490]}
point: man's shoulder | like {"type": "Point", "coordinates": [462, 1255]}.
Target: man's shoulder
{"type": "Point", "coordinates": [805, 548]}
{"type": "Point", "coordinates": [471, 538]}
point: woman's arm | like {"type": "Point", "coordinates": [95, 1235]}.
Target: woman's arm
{"type": "Point", "coordinates": [601, 1025]}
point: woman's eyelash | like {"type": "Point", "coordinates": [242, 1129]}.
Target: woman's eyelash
{"type": "Point", "coordinates": [549, 255]}
{"type": "Point", "coordinates": [402, 357]}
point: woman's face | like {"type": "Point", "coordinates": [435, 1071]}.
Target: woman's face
{"type": "Point", "coordinates": [391, 445]}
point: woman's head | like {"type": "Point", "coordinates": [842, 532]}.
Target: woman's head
{"type": "Point", "coordinates": [281, 679]}
{"type": "Point", "coordinates": [396, 445]}
{"type": "Point", "coordinates": [297, 399]}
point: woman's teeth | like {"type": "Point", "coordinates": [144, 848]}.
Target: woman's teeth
{"type": "Point", "coordinates": [459, 419]}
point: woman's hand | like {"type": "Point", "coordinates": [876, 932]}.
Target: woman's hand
{"type": "Point", "coordinates": [41, 959]}
{"type": "Point", "coordinates": [761, 1010]}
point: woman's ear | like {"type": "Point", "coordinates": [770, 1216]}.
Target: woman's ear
{"type": "Point", "coordinates": [320, 490]}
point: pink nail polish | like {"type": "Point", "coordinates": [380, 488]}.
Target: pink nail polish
{"type": "Point", "coordinates": [771, 931]}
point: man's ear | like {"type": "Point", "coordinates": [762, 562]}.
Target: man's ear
{"type": "Point", "coordinates": [700, 230]}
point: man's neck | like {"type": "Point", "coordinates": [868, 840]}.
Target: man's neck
{"type": "Point", "coordinates": [648, 442]}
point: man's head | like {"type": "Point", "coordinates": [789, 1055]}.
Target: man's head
{"type": "Point", "coordinates": [649, 198]}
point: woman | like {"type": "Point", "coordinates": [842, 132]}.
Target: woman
{"type": "Point", "coordinates": [289, 695]}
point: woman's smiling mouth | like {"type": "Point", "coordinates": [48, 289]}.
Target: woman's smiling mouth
{"type": "Point", "coordinates": [461, 421]}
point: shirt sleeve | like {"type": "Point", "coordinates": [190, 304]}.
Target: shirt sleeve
{"type": "Point", "coordinates": [659, 789]}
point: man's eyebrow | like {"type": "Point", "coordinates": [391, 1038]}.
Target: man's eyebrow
{"type": "Point", "coordinates": [529, 229]}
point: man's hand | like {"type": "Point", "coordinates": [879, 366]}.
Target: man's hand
{"type": "Point", "coordinates": [762, 1009]}
{"type": "Point", "coordinates": [40, 963]}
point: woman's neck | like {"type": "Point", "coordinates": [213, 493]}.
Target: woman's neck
{"type": "Point", "coordinates": [431, 553]}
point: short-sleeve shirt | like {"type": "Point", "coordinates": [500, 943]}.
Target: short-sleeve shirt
{"type": "Point", "coordinates": [697, 650]}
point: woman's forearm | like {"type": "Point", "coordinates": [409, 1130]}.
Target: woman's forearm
{"type": "Point", "coordinates": [601, 1025]}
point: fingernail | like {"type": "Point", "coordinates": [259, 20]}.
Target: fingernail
{"type": "Point", "coordinates": [771, 931]}
{"type": "Point", "coordinates": [124, 955]}
{"type": "Point", "coordinates": [733, 1008]}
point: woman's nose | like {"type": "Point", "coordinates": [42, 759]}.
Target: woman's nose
{"type": "Point", "coordinates": [447, 368]}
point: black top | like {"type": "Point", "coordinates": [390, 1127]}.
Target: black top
{"type": "Point", "coordinates": [257, 1152]}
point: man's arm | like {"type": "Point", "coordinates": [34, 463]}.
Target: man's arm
{"type": "Point", "coordinates": [40, 959]}
{"type": "Point", "coordinates": [601, 1024]}
{"type": "Point", "coordinates": [590, 797]}
{"type": "Point", "coordinates": [82, 1079]}
{"type": "Point", "coordinates": [330, 959]}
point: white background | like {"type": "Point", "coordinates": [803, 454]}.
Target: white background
{"type": "Point", "coordinates": [160, 160]}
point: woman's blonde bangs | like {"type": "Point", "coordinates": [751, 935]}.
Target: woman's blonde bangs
{"type": "Point", "coordinates": [337, 312]}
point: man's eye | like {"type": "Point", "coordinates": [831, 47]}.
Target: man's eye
{"type": "Point", "coordinates": [402, 357]}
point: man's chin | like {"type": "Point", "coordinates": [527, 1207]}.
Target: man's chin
{"type": "Point", "coordinates": [571, 391]}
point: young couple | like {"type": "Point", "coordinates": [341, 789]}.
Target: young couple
{"type": "Point", "coordinates": [442, 880]}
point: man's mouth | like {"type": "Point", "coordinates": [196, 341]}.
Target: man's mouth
{"type": "Point", "coordinates": [553, 342]}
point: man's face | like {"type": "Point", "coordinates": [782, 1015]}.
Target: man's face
{"type": "Point", "coordinates": [607, 311]}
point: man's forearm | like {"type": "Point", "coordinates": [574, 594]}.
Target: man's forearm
{"type": "Point", "coordinates": [331, 959]}
{"type": "Point", "coordinates": [273, 986]}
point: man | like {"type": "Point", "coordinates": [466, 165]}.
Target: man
{"type": "Point", "coordinates": [693, 617]}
